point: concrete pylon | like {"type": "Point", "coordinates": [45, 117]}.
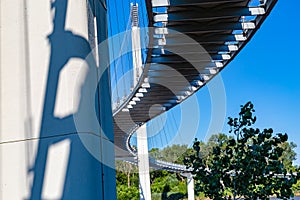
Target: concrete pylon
{"type": "Point", "coordinates": [136, 45]}
{"type": "Point", "coordinates": [190, 185]}
{"type": "Point", "coordinates": [143, 163]}
{"type": "Point", "coordinates": [43, 50]}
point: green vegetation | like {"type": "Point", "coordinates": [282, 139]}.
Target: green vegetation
{"type": "Point", "coordinates": [251, 163]}
{"type": "Point", "coordinates": [254, 164]}
{"type": "Point", "coordinates": [164, 185]}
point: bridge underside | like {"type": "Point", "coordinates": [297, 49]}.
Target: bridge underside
{"type": "Point", "coordinates": [191, 41]}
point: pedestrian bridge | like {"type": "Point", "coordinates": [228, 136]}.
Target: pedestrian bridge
{"type": "Point", "coordinates": [60, 58]}
{"type": "Point", "coordinates": [176, 49]}
{"type": "Point", "coordinates": [189, 43]}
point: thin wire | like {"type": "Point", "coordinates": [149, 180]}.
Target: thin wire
{"type": "Point", "coordinates": [169, 130]}
{"type": "Point", "coordinates": [163, 129]}
{"type": "Point", "coordinates": [126, 39]}
{"type": "Point", "coordinates": [119, 58]}
{"type": "Point", "coordinates": [152, 138]}
{"type": "Point", "coordinates": [160, 134]}
{"type": "Point", "coordinates": [142, 10]}
{"type": "Point", "coordinates": [157, 136]}
{"type": "Point", "coordinates": [114, 63]}
{"type": "Point", "coordinates": [144, 20]}
{"type": "Point", "coordinates": [127, 27]}
{"type": "Point", "coordinates": [177, 127]}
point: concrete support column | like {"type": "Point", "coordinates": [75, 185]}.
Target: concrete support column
{"type": "Point", "coordinates": [143, 163]}
{"type": "Point", "coordinates": [45, 84]}
{"type": "Point", "coordinates": [190, 185]}
{"type": "Point", "coordinates": [136, 45]}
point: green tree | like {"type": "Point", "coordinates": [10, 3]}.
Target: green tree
{"type": "Point", "coordinates": [167, 185]}
{"type": "Point", "coordinates": [251, 165]}
{"type": "Point", "coordinates": [172, 153]}
{"type": "Point", "coordinates": [126, 193]}
{"type": "Point", "coordinates": [127, 181]}
{"type": "Point", "coordinates": [288, 155]}
{"type": "Point", "coordinates": [164, 185]}
{"type": "Point", "coordinates": [126, 169]}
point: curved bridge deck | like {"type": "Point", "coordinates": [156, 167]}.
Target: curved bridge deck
{"type": "Point", "coordinates": [191, 41]}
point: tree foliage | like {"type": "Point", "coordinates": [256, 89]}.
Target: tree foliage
{"type": "Point", "coordinates": [126, 193]}
{"type": "Point", "coordinates": [174, 153]}
{"type": "Point", "coordinates": [127, 170]}
{"type": "Point", "coordinates": [253, 164]}
{"type": "Point", "coordinates": [164, 185]}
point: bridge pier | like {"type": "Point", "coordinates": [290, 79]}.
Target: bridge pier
{"type": "Point", "coordinates": [136, 45]}
{"type": "Point", "coordinates": [47, 80]}
{"type": "Point", "coordinates": [142, 142]}
{"type": "Point", "coordinates": [143, 163]}
{"type": "Point", "coordinates": [190, 185]}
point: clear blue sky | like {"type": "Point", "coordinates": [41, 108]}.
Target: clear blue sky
{"type": "Point", "coordinates": [265, 72]}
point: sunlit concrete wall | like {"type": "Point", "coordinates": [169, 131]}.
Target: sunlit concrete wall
{"type": "Point", "coordinates": [42, 77]}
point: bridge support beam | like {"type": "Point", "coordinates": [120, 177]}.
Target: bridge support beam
{"type": "Point", "coordinates": [143, 163]}
{"type": "Point", "coordinates": [190, 185]}
{"type": "Point", "coordinates": [136, 45]}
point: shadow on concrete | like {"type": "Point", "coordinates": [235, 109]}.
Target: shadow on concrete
{"type": "Point", "coordinates": [84, 173]}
